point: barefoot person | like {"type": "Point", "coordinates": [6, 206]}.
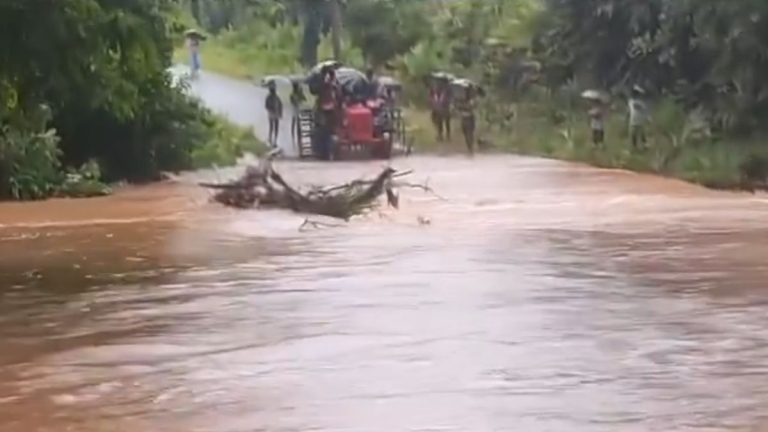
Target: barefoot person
{"type": "Point", "coordinates": [297, 100]}
{"type": "Point", "coordinates": [440, 96]}
{"type": "Point", "coordinates": [638, 116]}
{"type": "Point", "coordinates": [597, 121]}
{"type": "Point", "coordinates": [274, 107]}
{"type": "Point", "coordinates": [467, 109]}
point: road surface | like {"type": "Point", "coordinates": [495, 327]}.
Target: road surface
{"type": "Point", "coordinates": [243, 103]}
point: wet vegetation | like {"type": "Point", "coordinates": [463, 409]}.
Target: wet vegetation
{"type": "Point", "coordinates": [702, 64]}
{"type": "Point", "coordinates": [85, 83]}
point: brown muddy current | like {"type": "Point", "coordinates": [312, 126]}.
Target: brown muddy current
{"type": "Point", "coordinates": [541, 296]}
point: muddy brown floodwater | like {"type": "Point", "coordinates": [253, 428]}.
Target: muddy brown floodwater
{"type": "Point", "coordinates": [542, 297]}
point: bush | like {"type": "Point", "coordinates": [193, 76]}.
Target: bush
{"type": "Point", "coordinates": [29, 158]}
{"type": "Point", "coordinates": [224, 142]}
{"type": "Point", "coordinates": [84, 182]}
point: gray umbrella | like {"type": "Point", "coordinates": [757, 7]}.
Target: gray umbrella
{"type": "Point", "coordinates": [443, 76]}
{"type": "Point", "coordinates": [389, 82]}
{"type": "Point", "coordinates": [194, 34]}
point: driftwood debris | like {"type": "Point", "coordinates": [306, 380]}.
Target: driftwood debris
{"type": "Point", "coordinates": [263, 187]}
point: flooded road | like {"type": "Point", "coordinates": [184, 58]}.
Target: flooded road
{"type": "Point", "coordinates": [541, 296]}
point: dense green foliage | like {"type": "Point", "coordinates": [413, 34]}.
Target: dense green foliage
{"type": "Point", "coordinates": [703, 63]}
{"type": "Point", "coordinates": [708, 54]}
{"type": "Point", "coordinates": [385, 29]}
{"type": "Point", "coordinates": [97, 69]}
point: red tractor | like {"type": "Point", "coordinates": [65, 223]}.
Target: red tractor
{"type": "Point", "coordinates": [371, 125]}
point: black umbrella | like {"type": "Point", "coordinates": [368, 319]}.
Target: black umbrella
{"type": "Point", "coordinates": [352, 82]}
{"type": "Point", "coordinates": [314, 79]}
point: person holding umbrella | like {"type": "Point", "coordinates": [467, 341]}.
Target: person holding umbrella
{"type": "Point", "coordinates": [274, 107]}
{"type": "Point", "coordinates": [596, 114]}
{"type": "Point", "coordinates": [441, 99]}
{"type": "Point", "coordinates": [193, 38]}
{"type": "Point", "coordinates": [467, 107]}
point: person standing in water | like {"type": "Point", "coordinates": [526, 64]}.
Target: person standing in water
{"type": "Point", "coordinates": [467, 109]}
{"type": "Point", "coordinates": [274, 107]}
{"type": "Point", "coordinates": [297, 100]}
{"type": "Point", "coordinates": [638, 116]}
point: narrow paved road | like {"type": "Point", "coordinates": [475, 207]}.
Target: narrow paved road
{"type": "Point", "coordinates": [242, 102]}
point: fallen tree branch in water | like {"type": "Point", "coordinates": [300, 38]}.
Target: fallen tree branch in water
{"type": "Point", "coordinates": [262, 186]}
{"type": "Point", "coordinates": [424, 187]}
{"type": "Point", "coordinates": [315, 224]}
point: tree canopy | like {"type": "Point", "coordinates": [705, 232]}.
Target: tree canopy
{"type": "Point", "coordinates": [98, 69]}
{"type": "Point", "coordinates": [707, 53]}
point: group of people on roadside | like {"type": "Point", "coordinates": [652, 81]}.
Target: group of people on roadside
{"type": "Point", "coordinates": [442, 107]}
{"type": "Point", "coordinates": [274, 107]}
{"type": "Point", "coordinates": [329, 105]}
{"type": "Point", "coordinates": [638, 117]}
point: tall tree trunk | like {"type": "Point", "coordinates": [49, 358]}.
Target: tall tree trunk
{"type": "Point", "coordinates": [311, 38]}
{"type": "Point", "coordinates": [336, 29]}
{"type": "Point", "coordinates": [195, 6]}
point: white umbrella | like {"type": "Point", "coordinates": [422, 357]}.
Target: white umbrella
{"type": "Point", "coordinates": [466, 84]}
{"type": "Point", "coordinates": [594, 95]}
{"type": "Point", "coordinates": [276, 80]}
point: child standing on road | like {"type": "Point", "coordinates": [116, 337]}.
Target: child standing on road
{"type": "Point", "coordinates": [274, 107]}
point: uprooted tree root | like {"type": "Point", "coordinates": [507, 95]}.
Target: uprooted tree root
{"type": "Point", "coordinates": [263, 187]}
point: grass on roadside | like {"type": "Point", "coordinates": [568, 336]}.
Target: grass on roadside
{"type": "Point", "coordinates": [259, 49]}
{"type": "Point", "coordinates": [673, 149]}
{"type": "Point", "coordinates": [225, 143]}
{"type": "Point", "coordinates": [545, 125]}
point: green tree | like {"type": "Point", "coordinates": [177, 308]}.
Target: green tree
{"type": "Point", "coordinates": [384, 29]}
{"type": "Point", "coordinates": [100, 66]}
{"type": "Point", "coordinates": [707, 53]}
